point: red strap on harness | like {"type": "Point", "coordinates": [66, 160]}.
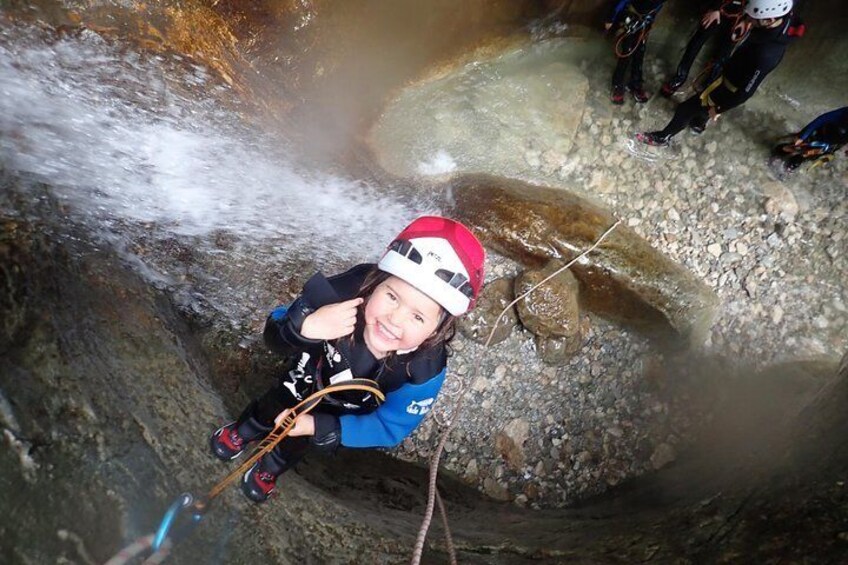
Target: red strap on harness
{"type": "Point", "coordinates": [797, 30]}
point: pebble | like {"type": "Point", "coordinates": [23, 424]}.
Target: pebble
{"type": "Point", "coordinates": [673, 215]}
{"type": "Point", "coordinates": [714, 249]}
{"type": "Point", "coordinates": [820, 322]}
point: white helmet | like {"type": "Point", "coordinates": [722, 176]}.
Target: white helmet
{"type": "Point", "coordinates": [763, 9]}
{"type": "Point", "coordinates": [441, 258]}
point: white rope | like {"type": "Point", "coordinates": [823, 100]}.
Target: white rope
{"type": "Point", "coordinates": [434, 461]}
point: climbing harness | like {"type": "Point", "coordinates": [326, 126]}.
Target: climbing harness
{"type": "Point", "coordinates": [735, 13]}
{"type": "Point", "coordinates": [818, 152]}
{"type": "Point", "coordinates": [740, 29]}
{"type": "Point", "coordinates": [633, 25]}
{"type": "Point", "coordinates": [159, 544]}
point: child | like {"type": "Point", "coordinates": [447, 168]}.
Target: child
{"type": "Point", "coordinates": [818, 141]}
{"type": "Point", "coordinates": [632, 20]}
{"type": "Point", "coordinates": [723, 21]}
{"type": "Point", "coordinates": [759, 54]}
{"type": "Point", "coordinates": [390, 322]}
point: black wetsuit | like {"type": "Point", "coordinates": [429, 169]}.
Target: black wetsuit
{"type": "Point", "coordinates": [411, 381]}
{"type": "Point", "coordinates": [757, 56]}
{"type": "Point", "coordinates": [731, 14]}
{"type": "Point", "coordinates": [632, 21]}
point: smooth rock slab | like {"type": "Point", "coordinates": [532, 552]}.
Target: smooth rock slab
{"type": "Point", "coordinates": [625, 279]}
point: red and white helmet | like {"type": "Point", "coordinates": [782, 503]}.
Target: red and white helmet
{"type": "Point", "coordinates": [765, 9]}
{"type": "Point", "coordinates": [441, 258]}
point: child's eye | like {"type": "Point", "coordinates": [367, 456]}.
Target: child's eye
{"type": "Point", "coordinates": [419, 318]}
{"type": "Point", "coordinates": [391, 295]}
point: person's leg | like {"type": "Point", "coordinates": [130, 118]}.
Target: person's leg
{"type": "Point", "coordinates": [617, 87]}
{"type": "Point", "coordinates": [260, 481]}
{"type": "Point", "coordinates": [257, 420]}
{"type": "Point", "coordinates": [722, 52]}
{"type": "Point", "coordinates": [636, 67]}
{"type": "Point", "coordinates": [684, 113]}
{"type": "Point", "coordinates": [693, 47]}
{"type": "Point", "coordinates": [696, 43]}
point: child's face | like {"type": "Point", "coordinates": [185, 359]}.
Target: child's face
{"type": "Point", "coordinates": [767, 22]}
{"type": "Point", "coordinates": [398, 317]}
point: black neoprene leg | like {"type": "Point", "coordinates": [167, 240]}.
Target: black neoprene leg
{"type": "Point", "coordinates": [683, 115]}
{"type": "Point", "coordinates": [636, 64]}
{"type": "Point", "coordinates": [275, 400]}
{"type": "Point", "coordinates": [285, 455]}
{"type": "Point", "coordinates": [696, 43]}
{"type": "Point", "coordinates": [723, 51]}
{"type": "Point", "coordinates": [620, 70]}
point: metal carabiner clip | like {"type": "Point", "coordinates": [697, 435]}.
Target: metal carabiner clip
{"type": "Point", "coordinates": [182, 502]}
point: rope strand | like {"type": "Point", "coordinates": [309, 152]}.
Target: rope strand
{"type": "Point", "coordinates": [434, 462]}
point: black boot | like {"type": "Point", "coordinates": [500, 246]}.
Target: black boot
{"type": "Point", "coordinates": [673, 84]}
{"type": "Point", "coordinates": [654, 138]}
{"type": "Point", "coordinates": [617, 95]}
{"type": "Point", "coordinates": [638, 92]}
{"type": "Point", "coordinates": [260, 481]}
{"type": "Point", "coordinates": [698, 124]}
{"type": "Point", "coordinates": [230, 440]}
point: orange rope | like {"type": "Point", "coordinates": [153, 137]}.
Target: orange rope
{"type": "Point", "coordinates": [643, 32]}
{"type": "Point", "coordinates": [282, 429]}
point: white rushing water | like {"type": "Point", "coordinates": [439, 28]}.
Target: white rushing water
{"type": "Point", "coordinates": [122, 136]}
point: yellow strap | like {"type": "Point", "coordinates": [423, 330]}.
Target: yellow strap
{"type": "Point", "coordinates": [705, 95]}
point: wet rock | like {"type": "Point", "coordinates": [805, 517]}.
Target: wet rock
{"type": "Point", "coordinates": [477, 324]}
{"type": "Point", "coordinates": [558, 351]}
{"type": "Point", "coordinates": [494, 489]}
{"type": "Point", "coordinates": [510, 442]}
{"type": "Point", "coordinates": [780, 201]}
{"type": "Point", "coordinates": [714, 249]}
{"type": "Point", "coordinates": [624, 279]}
{"type": "Point", "coordinates": [17, 240]}
{"type": "Point", "coordinates": [551, 310]}
{"type": "Point", "coordinates": [663, 455]}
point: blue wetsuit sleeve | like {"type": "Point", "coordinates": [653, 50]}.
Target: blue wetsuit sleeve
{"type": "Point", "coordinates": [832, 116]}
{"type": "Point", "coordinates": [395, 419]}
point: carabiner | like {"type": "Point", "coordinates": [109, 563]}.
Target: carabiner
{"type": "Point", "coordinates": [183, 501]}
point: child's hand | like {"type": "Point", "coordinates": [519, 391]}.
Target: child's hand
{"type": "Point", "coordinates": [331, 321]}
{"type": "Point", "coordinates": [304, 426]}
